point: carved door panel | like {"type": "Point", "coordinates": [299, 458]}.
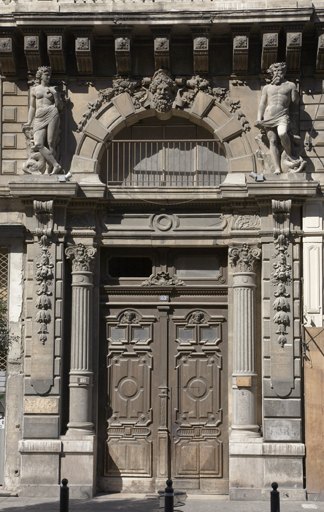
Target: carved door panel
{"type": "Point", "coordinates": [129, 363]}
{"type": "Point", "coordinates": [199, 413]}
{"type": "Point", "coordinates": [167, 397]}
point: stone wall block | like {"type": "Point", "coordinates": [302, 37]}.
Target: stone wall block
{"type": "Point", "coordinates": [124, 105]}
{"type": "Point", "coordinates": [41, 427]}
{"type": "Point", "coordinates": [96, 130]}
{"type": "Point", "coordinates": [231, 129]}
{"type": "Point", "coordinates": [202, 104]}
{"type": "Point", "coordinates": [41, 405]}
{"type": "Point", "coordinates": [83, 165]}
{"type": "Point", "coordinates": [245, 163]}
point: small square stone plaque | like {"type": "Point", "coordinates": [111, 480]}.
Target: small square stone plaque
{"type": "Point", "coordinates": [245, 382]}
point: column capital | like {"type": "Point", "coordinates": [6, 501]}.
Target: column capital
{"type": "Point", "coordinates": [82, 256]}
{"type": "Point", "coordinates": [243, 258]}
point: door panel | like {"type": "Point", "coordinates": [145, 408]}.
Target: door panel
{"type": "Point", "coordinates": [167, 396]}
{"type": "Point", "coordinates": [198, 431]}
{"type": "Point", "coordinates": [129, 364]}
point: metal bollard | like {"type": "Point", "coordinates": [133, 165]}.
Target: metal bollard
{"type": "Point", "coordinates": [64, 496]}
{"type": "Point", "coordinates": [168, 497]}
{"type": "Point", "coordinates": [274, 498]}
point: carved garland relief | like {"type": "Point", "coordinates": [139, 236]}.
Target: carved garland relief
{"type": "Point", "coordinates": [162, 93]}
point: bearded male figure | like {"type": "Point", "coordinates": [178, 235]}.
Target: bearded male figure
{"type": "Point", "coordinates": [273, 117]}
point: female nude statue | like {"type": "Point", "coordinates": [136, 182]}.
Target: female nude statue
{"type": "Point", "coordinates": [45, 104]}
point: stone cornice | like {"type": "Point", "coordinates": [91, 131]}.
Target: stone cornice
{"type": "Point", "coordinates": [204, 14]}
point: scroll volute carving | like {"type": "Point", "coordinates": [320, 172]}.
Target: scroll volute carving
{"type": "Point", "coordinates": [244, 257]}
{"type": "Point", "coordinates": [82, 257]}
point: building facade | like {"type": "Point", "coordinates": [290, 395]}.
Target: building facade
{"type": "Point", "coordinates": [161, 234]}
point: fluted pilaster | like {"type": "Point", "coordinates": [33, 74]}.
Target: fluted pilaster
{"type": "Point", "coordinates": [242, 259]}
{"type": "Point", "coordinates": [81, 376]}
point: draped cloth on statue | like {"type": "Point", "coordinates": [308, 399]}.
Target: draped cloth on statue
{"type": "Point", "coordinates": [281, 117]}
{"type": "Point", "coordinates": [44, 116]}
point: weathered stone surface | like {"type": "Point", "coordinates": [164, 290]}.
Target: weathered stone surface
{"type": "Point", "coordinates": [39, 427]}
{"type": "Point", "coordinates": [282, 429]}
{"type": "Point", "coordinates": [48, 405]}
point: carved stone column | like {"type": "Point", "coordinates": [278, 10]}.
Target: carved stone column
{"type": "Point", "coordinates": [242, 259]}
{"type": "Point", "coordinates": [81, 376]}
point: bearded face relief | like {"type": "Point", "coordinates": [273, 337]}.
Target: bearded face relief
{"type": "Point", "coordinates": [163, 90]}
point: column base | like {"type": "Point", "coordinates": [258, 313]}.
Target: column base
{"type": "Point", "coordinates": [80, 429]}
{"type": "Point", "coordinates": [244, 431]}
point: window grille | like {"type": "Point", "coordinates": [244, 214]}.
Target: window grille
{"type": "Point", "coordinates": [171, 163]}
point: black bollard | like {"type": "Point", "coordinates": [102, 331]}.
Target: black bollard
{"type": "Point", "coordinates": [168, 497]}
{"type": "Point", "coordinates": [274, 498]}
{"type": "Point", "coordinates": [64, 496]}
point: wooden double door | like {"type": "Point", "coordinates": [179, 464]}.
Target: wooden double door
{"type": "Point", "coordinates": [167, 397]}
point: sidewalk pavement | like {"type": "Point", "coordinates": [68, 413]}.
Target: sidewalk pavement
{"type": "Point", "coordinates": [149, 503]}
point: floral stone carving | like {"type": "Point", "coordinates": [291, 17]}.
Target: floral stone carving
{"type": "Point", "coordinates": [82, 257]}
{"type": "Point", "coordinates": [244, 257]}
{"type": "Point", "coordinates": [163, 279]}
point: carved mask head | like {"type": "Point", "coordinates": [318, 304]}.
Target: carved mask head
{"type": "Point", "coordinates": [163, 89]}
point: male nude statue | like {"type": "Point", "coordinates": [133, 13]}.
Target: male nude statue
{"type": "Point", "coordinates": [273, 113]}
{"type": "Point", "coordinates": [45, 103]}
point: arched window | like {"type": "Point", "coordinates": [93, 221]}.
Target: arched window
{"type": "Point", "coordinates": [164, 153]}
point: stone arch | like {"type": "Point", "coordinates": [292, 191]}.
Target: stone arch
{"type": "Point", "coordinates": [225, 126]}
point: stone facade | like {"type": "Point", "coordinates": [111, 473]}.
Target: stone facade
{"type": "Point", "coordinates": [160, 224]}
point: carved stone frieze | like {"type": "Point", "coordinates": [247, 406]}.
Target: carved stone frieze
{"type": "Point", "coordinates": [162, 93]}
{"type": "Point", "coordinates": [163, 279]}
{"type": "Point", "coordinates": [244, 257]}
{"type": "Point", "coordinates": [246, 222]}
{"type": "Point", "coordinates": [83, 257]}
